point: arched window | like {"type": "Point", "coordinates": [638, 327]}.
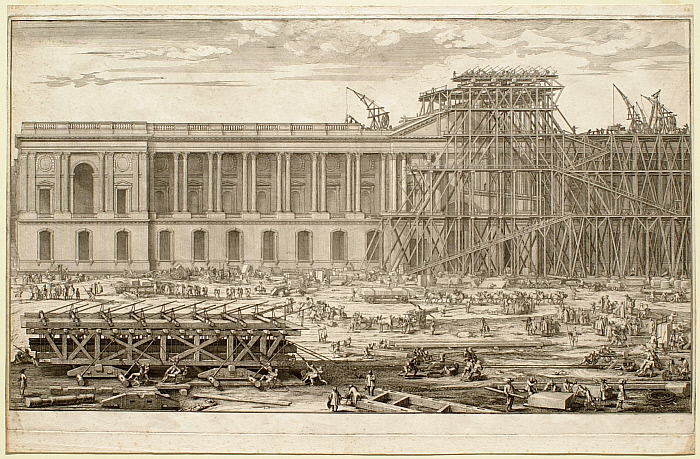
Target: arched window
{"type": "Point", "coordinates": [45, 245]}
{"type": "Point", "coordinates": [269, 246]}
{"type": "Point", "coordinates": [338, 246]}
{"type": "Point", "coordinates": [164, 244]}
{"type": "Point", "coordinates": [304, 246]}
{"type": "Point", "coordinates": [84, 245]}
{"type": "Point", "coordinates": [234, 245]}
{"type": "Point", "coordinates": [374, 246]}
{"type": "Point", "coordinates": [82, 189]}
{"type": "Point", "coordinates": [123, 245]}
{"type": "Point", "coordinates": [199, 245]}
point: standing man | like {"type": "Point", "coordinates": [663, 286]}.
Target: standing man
{"type": "Point", "coordinates": [22, 382]}
{"type": "Point", "coordinates": [604, 388]}
{"type": "Point", "coordinates": [370, 383]}
{"type": "Point", "coordinates": [509, 391]}
{"type": "Point", "coordinates": [334, 399]}
{"type": "Point", "coordinates": [621, 395]}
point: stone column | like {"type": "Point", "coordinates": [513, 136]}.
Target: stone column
{"type": "Point", "coordinates": [287, 182]}
{"type": "Point", "coordinates": [71, 188]}
{"type": "Point", "coordinates": [278, 182]}
{"type": "Point", "coordinates": [254, 182]}
{"type": "Point", "coordinates": [23, 172]}
{"type": "Point", "coordinates": [348, 182]}
{"type": "Point", "coordinates": [314, 182]}
{"type": "Point", "coordinates": [135, 182]}
{"type": "Point", "coordinates": [382, 182]}
{"type": "Point", "coordinates": [99, 195]}
{"type": "Point", "coordinates": [109, 181]}
{"type": "Point", "coordinates": [56, 201]}
{"type": "Point", "coordinates": [244, 180]}
{"type": "Point", "coordinates": [323, 182]}
{"type": "Point", "coordinates": [143, 181]}
{"type": "Point", "coordinates": [31, 182]}
{"type": "Point", "coordinates": [392, 183]}
{"type": "Point", "coordinates": [358, 182]}
{"type": "Point", "coordinates": [404, 181]}
{"type": "Point", "coordinates": [65, 206]}
{"type": "Point", "coordinates": [210, 182]}
{"type": "Point", "coordinates": [151, 182]}
{"type": "Point", "coordinates": [176, 180]}
{"type": "Point", "coordinates": [185, 180]}
{"type": "Point", "coordinates": [219, 207]}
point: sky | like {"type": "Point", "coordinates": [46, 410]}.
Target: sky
{"type": "Point", "coordinates": [215, 71]}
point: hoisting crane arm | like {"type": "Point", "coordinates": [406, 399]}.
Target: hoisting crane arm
{"type": "Point", "coordinates": [638, 123]}
{"type": "Point", "coordinates": [379, 116]}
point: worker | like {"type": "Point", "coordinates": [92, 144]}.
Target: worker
{"type": "Point", "coordinates": [172, 373]}
{"type": "Point", "coordinates": [684, 368]}
{"type": "Point", "coordinates": [509, 391]}
{"type": "Point", "coordinates": [580, 390]}
{"type": "Point", "coordinates": [370, 382]}
{"type": "Point", "coordinates": [621, 395]}
{"type": "Point", "coordinates": [432, 327]}
{"type": "Point", "coordinates": [568, 386]}
{"type": "Point", "coordinates": [333, 399]}
{"type": "Point", "coordinates": [353, 395]}
{"type": "Point", "coordinates": [22, 382]}
{"type": "Point", "coordinates": [604, 388]}
{"type": "Point", "coordinates": [531, 386]}
{"type": "Point", "coordinates": [551, 386]}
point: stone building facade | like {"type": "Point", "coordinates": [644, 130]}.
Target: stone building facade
{"type": "Point", "coordinates": [114, 196]}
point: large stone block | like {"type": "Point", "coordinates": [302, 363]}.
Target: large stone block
{"type": "Point", "coordinates": [551, 400]}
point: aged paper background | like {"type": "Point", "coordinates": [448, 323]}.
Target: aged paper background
{"type": "Point", "coordinates": [98, 432]}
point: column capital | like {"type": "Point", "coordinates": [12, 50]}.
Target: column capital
{"type": "Point", "coordinates": [279, 155]}
{"type": "Point", "coordinates": [31, 154]}
{"type": "Point", "coordinates": [357, 154]}
{"type": "Point", "coordinates": [245, 154]}
{"type": "Point", "coordinates": [210, 154]}
{"type": "Point", "coordinates": [253, 154]}
{"type": "Point", "coordinates": [314, 155]}
{"type": "Point", "coordinates": [287, 155]}
{"type": "Point", "coordinates": [151, 155]}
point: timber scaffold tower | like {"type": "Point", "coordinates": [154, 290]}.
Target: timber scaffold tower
{"type": "Point", "coordinates": [516, 191]}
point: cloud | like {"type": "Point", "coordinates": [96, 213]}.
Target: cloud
{"type": "Point", "coordinates": [261, 28]}
{"type": "Point", "coordinates": [89, 78]}
{"type": "Point", "coordinates": [183, 53]}
{"type": "Point", "coordinates": [227, 83]}
{"type": "Point", "coordinates": [240, 38]}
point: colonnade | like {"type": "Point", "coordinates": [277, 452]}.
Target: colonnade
{"type": "Point", "coordinates": [141, 175]}
{"type": "Point", "coordinates": [391, 166]}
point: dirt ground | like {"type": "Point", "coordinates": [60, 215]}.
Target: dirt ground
{"type": "Point", "coordinates": [507, 351]}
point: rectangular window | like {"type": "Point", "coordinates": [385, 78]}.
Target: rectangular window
{"type": "Point", "coordinates": [338, 246]}
{"type": "Point", "coordinates": [269, 246]}
{"type": "Point", "coordinates": [164, 246]}
{"type": "Point", "coordinates": [304, 246]}
{"type": "Point", "coordinates": [234, 247]}
{"type": "Point", "coordinates": [122, 246]}
{"type": "Point", "coordinates": [122, 197]}
{"type": "Point", "coordinates": [199, 246]}
{"type": "Point", "coordinates": [84, 246]}
{"type": "Point", "coordinates": [45, 246]}
{"type": "Point", "coordinates": [44, 201]}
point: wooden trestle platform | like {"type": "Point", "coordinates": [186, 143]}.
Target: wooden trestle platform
{"type": "Point", "coordinates": [202, 334]}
